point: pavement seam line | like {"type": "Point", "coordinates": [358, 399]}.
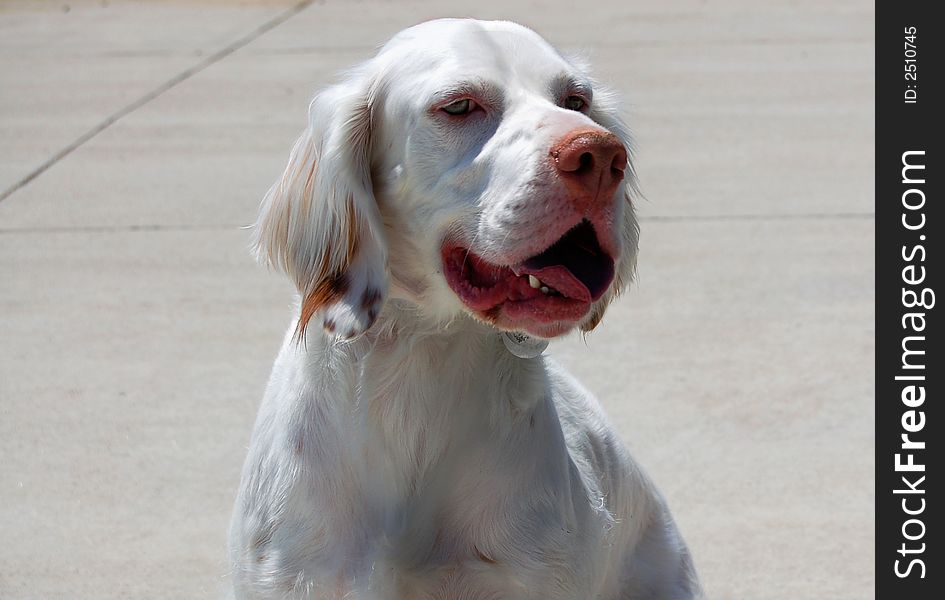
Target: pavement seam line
{"type": "Point", "coordinates": [156, 92]}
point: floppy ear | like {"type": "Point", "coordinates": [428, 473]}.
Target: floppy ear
{"type": "Point", "coordinates": [605, 112]}
{"type": "Point", "coordinates": [319, 223]}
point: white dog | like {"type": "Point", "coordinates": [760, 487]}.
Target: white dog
{"type": "Point", "coordinates": [454, 201]}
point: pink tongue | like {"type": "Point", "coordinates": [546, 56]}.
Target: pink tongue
{"type": "Point", "coordinates": [561, 279]}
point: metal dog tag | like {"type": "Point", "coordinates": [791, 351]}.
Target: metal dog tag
{"type": "Point", "coordinates": [523, 345]}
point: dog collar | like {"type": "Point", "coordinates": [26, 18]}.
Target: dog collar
{"type": "Point", "coordinates": [523, 345]}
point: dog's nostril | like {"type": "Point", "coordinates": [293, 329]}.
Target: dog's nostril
{"type": "Point", "coordinates": [619, 164]}
{"type": "Point", "coordinates": [585, 162]}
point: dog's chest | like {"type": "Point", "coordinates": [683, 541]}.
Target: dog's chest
{"type": "Point", "coordinates": [422, 478]}
{"type": "Point", "coordinates": [465, 483]}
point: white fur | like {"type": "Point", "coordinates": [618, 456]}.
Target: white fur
{"type": "Point", "coordinates": [412, 456]}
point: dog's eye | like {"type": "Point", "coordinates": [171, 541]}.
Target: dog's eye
{"type": "Point", "coordinates": [460, 107]}
{"type": "Point", "coordinates": [574, 103]}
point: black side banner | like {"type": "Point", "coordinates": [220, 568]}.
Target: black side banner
{"type": "Point", "coordinates": [910, 374]}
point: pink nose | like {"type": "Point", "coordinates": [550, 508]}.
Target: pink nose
{"type": "Point", "coordinates": [591, 164]}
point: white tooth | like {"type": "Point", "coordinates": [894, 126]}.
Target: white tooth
{"type": "Point", "coordinates": [544, 289]}
{"type": "Point", "coordinates": [534, 282]}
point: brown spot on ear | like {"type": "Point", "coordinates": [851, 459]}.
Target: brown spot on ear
{"type": "Point", "coordinates": [326, 291]}
{"type": "Point", "coordinates": [330, 325]}
{"type": "Point", "coordinates": [330, 284]}
{"type": "Point", "coordinates": [483, 557]}
{"type": "Point", "coordinates": [370, 298]}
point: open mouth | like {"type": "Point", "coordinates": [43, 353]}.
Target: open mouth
{"type": "Point", "coordinates": [557, 285]}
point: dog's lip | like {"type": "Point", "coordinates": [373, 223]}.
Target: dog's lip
{"type": "Point", "coordinates": [575, 264]}
{"type": "Point", "coordinates": [574, 268]}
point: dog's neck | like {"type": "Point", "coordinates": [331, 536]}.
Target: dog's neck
{"type": "Point", "coordinates": [417, 392]}
{"type": "Point", "coordinates": [455, 361]}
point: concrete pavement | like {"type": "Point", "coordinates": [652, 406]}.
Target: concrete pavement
{"type": "Point", "coordinates": [136, 333]}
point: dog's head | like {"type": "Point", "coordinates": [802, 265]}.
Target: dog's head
{"type": "Point", "coordinates": [468, 167]}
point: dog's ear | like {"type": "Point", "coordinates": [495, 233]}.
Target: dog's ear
{"type": "Point", "coordinates": [319, 223]}
{"type": "Point", "coordinates": [605, 112]}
